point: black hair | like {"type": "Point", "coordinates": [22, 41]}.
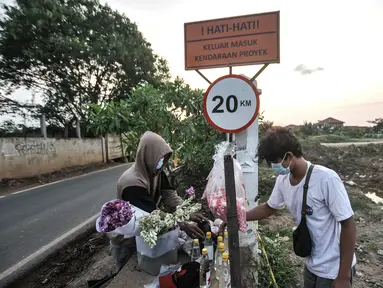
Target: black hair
{"type": "Point", "coordinates": [276, 143]}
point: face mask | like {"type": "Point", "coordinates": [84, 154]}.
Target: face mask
{"type": "Point", "coordinates": [160, 163]}
{"type": "Point", "coordinates": [279, 169]}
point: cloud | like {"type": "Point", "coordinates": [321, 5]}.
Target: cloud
{"type": "Point", "coordinates": [301, 68]}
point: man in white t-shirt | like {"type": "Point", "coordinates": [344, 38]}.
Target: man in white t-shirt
{"type": "Point", "coordinates": [328, 211]}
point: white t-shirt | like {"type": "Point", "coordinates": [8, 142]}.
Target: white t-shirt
{"type": "Point", "coordinates": [327, 205]}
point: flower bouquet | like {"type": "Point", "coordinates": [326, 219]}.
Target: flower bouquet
{"type": "Point", "coordinates": [119, 217]}
{"type": "Point", "coordinates": [159, 223]}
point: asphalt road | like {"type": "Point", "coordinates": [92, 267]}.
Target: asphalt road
{"type": "Point", "coordinates": [35, 218]}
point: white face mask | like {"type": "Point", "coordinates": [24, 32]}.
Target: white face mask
{"type": "Point", "coordinates": [160, 164]}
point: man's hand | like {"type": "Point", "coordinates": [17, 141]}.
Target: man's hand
{"type": "Point", "coordinates": [341, 283]}
{"type": "Point", "coordinates": [198, 218]}
{"type": "Point", "coordinates": [192, 230]}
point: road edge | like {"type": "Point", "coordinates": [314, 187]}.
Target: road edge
{"type": "Point", "coordinates": [35, 260]}
{"type": "Point", "coordinates": [63, 180]}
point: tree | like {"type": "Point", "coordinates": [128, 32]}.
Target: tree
{"type": "Point", "coordinates": [378, 125]}
{"type": "Point", "coordinates": [264, 126]}
{"type": "Point", "coordinates": [8, 127]}
{"type": "Point", "coordinates": [11, 107]}
{"type": "Point", "coordinates": [174, 111]}
{"type": "Point", "coordinates": [308, 129]}
{"type": "Point", "coordinates": [75, 52]}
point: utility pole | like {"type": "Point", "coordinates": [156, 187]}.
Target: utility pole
{"type": "Point", "coordinates": [246, 143]}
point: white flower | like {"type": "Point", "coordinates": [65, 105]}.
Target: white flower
{"type": "Point", "coordinates": [159, 223]}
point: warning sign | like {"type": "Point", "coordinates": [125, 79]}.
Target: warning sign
{"type": "Point", "coordinates": [236, 41]}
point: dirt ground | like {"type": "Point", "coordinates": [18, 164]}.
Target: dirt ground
{"type": "Point", "coordinates": [361, 168]}
{"type": "Point", "coordinates": [86, 258]}
{"type": "Point", "coordinates": [8, 186]}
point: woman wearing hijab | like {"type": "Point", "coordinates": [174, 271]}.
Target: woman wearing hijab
{"type": "Point", "coordinates": [146, 186]}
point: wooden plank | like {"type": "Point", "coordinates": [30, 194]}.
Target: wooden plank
{"type": "Point", "coordinates": [232, 222]}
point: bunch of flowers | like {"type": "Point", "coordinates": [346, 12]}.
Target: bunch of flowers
{"type": "Point", "coordinates": [159, 223]}
{"type": "Point", "coordinates": [218, 206]}
{"type": "Point", "coordinates": [215, 191]}
{"type": "Point", "coordinates": [115, 214]}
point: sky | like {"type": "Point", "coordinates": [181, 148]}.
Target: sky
{"type": "Point", "coordinates": [341, 38]}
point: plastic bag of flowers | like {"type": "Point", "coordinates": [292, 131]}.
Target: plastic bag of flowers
{"type": "Point", "coordinates": [215, 191]}
{"type": "Point", "coordinates": [119, 217]}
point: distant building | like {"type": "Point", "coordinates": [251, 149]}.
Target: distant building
{"type": "Point", "coordinates": [330, 122]}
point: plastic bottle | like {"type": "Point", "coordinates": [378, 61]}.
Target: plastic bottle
{"type": "Point", "coordinates": [224, 276]}
{"type": "Point", "coordinates": [226, 240]}
{"type": "Point", "coordinates": [204, 270]}
{"type": "Point", "coordinates": [219, 240]}
{"type": "Point", "coordinates": [195, 253]}
{"type": "Point", "coordinates": [210, 249]}
{"type": "Point", "coordinates": [218, 262]}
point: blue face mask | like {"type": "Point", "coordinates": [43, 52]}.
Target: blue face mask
{"type": "Point", "coordinates": [279, 169]}
{"type": "Point", "coordinates": [160, 163]}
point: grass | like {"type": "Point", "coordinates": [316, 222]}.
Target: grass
{"type": "Point", "coordinates": [277, 245]}
{"type": "Point", "coordinates": [266, 182]}
{"type": "Point", "coordinates": [277, 242]}
{"type": "Point", "coordinates": [327, 138]}
{"type": "Point", "coordinates": [333, 138]}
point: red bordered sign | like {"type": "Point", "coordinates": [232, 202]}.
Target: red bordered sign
{"type": "Point", "coordinates": [231, 103]}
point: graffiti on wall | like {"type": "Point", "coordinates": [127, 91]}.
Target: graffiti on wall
{"type": "Point", "coordinates": [41, 148]}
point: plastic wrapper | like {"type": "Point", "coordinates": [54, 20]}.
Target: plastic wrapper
{"type": "Point", "coordinates": [165, 243]}
{"type": "Point", "coordinates": [165, 252]}
{"type": "Point", "coordinates": [128, 230]}
{"type": "Point", "coordinates": [215, 192]}
{"type": "Point", "coordinates": [153, 265]}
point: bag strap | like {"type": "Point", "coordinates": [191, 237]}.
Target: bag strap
{"type": "Point", "coordinates": [305, 189]}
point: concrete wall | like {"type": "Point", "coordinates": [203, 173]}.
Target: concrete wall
{"type": "Point", "coordinates": [113, 145]}
{"type": "Point", "coordinates": [24, 157]}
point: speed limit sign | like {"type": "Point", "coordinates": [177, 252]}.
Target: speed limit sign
{"type": "Point", "coordinates": [231, 103]}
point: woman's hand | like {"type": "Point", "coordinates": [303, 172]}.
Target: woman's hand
{"type": "Point", "coordinates": [222, 228]}
{"type": "Point", "coordinates": [191, 229]}
{"type": "Point", "coordinates": [198, 218]}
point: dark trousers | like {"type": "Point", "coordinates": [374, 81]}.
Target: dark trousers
{"type": "Point", "coordinates": [313, 281]}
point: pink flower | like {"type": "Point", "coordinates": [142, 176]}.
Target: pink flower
{"type": "Point", "coordinates": [190, 191]}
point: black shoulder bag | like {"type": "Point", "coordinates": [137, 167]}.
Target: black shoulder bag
{"type": "Point", "coordinates": [301, 236]}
